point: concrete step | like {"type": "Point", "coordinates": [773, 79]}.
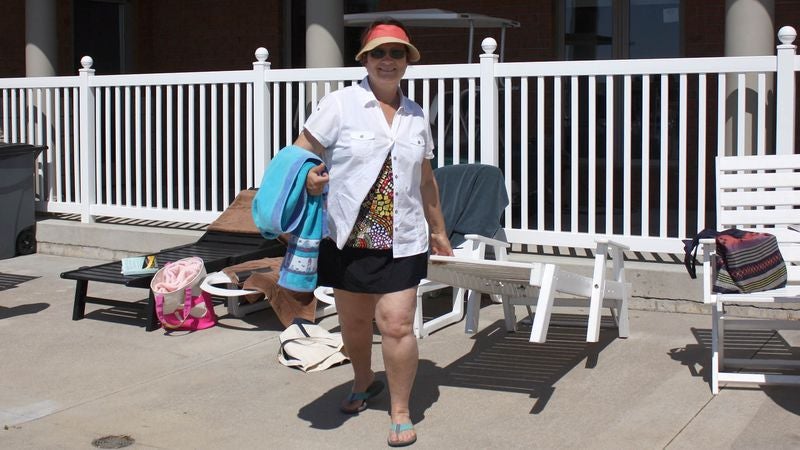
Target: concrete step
{"type": "Point", "coordinates": [110, 241]}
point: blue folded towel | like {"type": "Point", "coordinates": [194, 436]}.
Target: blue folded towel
{"type": "Point", "coordinates": [282, 205]}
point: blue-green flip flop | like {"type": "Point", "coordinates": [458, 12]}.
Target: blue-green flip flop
{"type": "Point", "coordinates": [398, 428]}
{"type": "Point", "coordinates": [373, 390]}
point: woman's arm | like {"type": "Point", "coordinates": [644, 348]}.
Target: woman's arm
{"type": "Point", "coordinates": [309, 142]}
{"type": "Point", "coordinates": [439, 243]}
{"type": "Point", "coordinates": [318, 176]}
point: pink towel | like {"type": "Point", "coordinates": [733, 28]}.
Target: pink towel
{"type": "Point", "coordinates": [177, 275]}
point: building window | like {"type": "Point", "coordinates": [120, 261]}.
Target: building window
{"type": "Point", "coordinates": [621, 29]}
{"type": "Point", "coordinates": [101, 31]}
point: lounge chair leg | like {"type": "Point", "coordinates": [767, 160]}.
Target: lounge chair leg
{"type": "Point", "coordinates": [598, 293]}
{"type": "Point", "coordinates": [510, 316]}
{"type": "Point", "coordinates": [716, 345]}
{"type": "Point", "coordinates": [152, 321]}
{"type": "Point", "coordinates": [418, 319]}
{"type": "Point", "coordinates": [544, 305]}
{"type": "Point", "coordinates": [623, 323]}
{"type": "Point", "coordinates": [79, 306]}
{"type": "Point", "coordinates": [618, 262]}
{"type": "Point", "coordinates": [473, 312]}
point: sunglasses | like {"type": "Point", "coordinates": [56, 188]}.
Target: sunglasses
{"type": "Point", "coordinates": [395, 53]}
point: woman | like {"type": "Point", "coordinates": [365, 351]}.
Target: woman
{"type": "Point", "coordinates": [383, 216]}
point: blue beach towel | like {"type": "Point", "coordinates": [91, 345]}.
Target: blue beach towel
{"type": "Point", "coordinates": [282, 205]}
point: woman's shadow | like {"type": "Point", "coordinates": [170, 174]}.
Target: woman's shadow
{"type": "Point", "coordinates": [323, 413]}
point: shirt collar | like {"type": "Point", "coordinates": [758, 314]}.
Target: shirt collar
{"type": "Point", "coordinates": [368, 97]}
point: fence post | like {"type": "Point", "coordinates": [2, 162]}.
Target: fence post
{"type": "Point", "coordinates": [262, 142]}
{"type": "Point", "coordinates": [785, 101]}
{"type": "Point", "coordinates": [489, 110]}
{"type": "Point", "coordinates": [86, 121]}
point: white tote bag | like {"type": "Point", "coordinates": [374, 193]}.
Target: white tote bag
{"type": "Point", "coordinates": [310, 347]}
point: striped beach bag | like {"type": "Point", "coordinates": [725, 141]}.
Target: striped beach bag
{"type": "Point", "coordinates": [747, 261]}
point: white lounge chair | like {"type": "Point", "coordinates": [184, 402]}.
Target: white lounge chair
{"type": "Point", "coordinates": [760, 193]}
{"type": "Point", "coordinates": [536, 284]}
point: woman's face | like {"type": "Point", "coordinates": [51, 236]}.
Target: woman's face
{"type": "Point", "coordinates": [387, 63]}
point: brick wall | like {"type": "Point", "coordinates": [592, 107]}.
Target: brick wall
{"type": "Point", "coordinates": [12, 51]}
{"type": "Point", "coordinates": [67, 60]}
{"type": "Point", "coordinates": [210, 35]}
{"type": "Point", "coordinates": [704, 32]}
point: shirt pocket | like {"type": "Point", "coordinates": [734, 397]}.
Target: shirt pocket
{"type": "Point", "coordinates": [362, 143]}
{"type": "Point", "coordinates": [414, 148]}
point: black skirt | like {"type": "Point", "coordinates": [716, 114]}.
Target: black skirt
{"type": "Point", "coordinates": [368, 271]}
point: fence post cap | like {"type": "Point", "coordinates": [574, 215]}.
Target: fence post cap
{"type": "Point", "coordinates": [262, 54]}
{"type": "Point", "coordinates": [787, 35]}
{"type": "Point", "coordinates": [87, 62]}
{"type": "Point", "coordinates": [489, 45]}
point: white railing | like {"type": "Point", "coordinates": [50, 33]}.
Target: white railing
{"type": "Point", "coordinates": [619, 148]}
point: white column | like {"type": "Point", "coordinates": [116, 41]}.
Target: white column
{"type": "Point", "coordinates": [489, 110]}
{"type": "Point", "coordinates": [262, 128]}
{"type": "Point", "coordinates": [41, 47]}
{"type": "Point", "coordinates": [324, 33]}
{"type": "Point", "coordinates": [749, 31]}
{"type": "Point", "coordinates": [785, 103]}
{"type": "Point", "coordinates": [86, 108]}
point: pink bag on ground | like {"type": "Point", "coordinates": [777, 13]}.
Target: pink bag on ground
{"type": "Point", "coordinates": [172, 279]}
{"type": "Point", "coordinates": [180, 303]}
{"type": "Point", "coordinates": [197, 312]}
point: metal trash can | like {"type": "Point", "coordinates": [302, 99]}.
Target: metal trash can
{"type": "Point", "coordinates": [17, 217]}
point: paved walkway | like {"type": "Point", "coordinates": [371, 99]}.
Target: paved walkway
{"type": "Point", "coordinates": [64, 383]}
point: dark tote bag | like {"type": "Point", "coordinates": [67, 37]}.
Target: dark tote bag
{"type": "Point", "coordinates": [746, 261]}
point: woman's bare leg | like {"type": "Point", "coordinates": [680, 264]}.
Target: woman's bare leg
{"type": "Point", "coordinates": [356, 312]}
{"type": "Point", "coordinates": [394, 315]}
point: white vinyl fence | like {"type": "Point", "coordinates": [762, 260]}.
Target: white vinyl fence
{"type": "Point", "coordinates": [621, 148]}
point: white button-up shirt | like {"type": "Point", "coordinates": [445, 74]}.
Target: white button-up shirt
{"type": "Point", "coordinates": [357, 138]}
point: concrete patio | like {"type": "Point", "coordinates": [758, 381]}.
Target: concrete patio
{"type": "Point", "coordinates": [64, 384]}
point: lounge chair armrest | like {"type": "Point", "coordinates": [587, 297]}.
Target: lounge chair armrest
{"type": "Point", "coordinates": [221, 278]}
{"type": "Point", "coordinates": [709, 247]}
{"type": "Point", "coordinates": [488, 241]}
{"type": "Point", "coordinates": [709, 271]}
{"type": "Point", "coordinates": [612, 243]}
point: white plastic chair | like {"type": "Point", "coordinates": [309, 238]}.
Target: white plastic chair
{"type": "Point", "coordinates": [535, 284]}
{"type": "Point", "coordinates": [473, 198]}
{"type": "Point", "coordinates": [239, 307]}
{"type": "Point", "coordinates": [473, 248]}
{"type": "Point", "coordinates": [761, 193]}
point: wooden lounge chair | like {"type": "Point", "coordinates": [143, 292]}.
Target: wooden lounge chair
{"type": "Point", "coordinates": [760, 193]}
{"type": "Point", "coordinates": [229, 240]}
{"type": "Point", "coordinates": [535, 283]}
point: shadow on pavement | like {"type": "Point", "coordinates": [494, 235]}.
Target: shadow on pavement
{"type": "Point", "coordinates": [20, 310]}
{"type": "Point", "coordinates": [10, 281]}
{"type": "Point", "coordinates": [509, 362]}
{"type": "Point", "coordinates": [747, 344]}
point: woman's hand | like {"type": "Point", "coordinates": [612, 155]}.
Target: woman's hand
{"type": "Point", "coordinates": [316, 180]}
{"type": "Point", "coordinates": [440, 245]}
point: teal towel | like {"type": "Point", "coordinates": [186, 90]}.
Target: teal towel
{"type": "Point", "coordinates": [282, 205]}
